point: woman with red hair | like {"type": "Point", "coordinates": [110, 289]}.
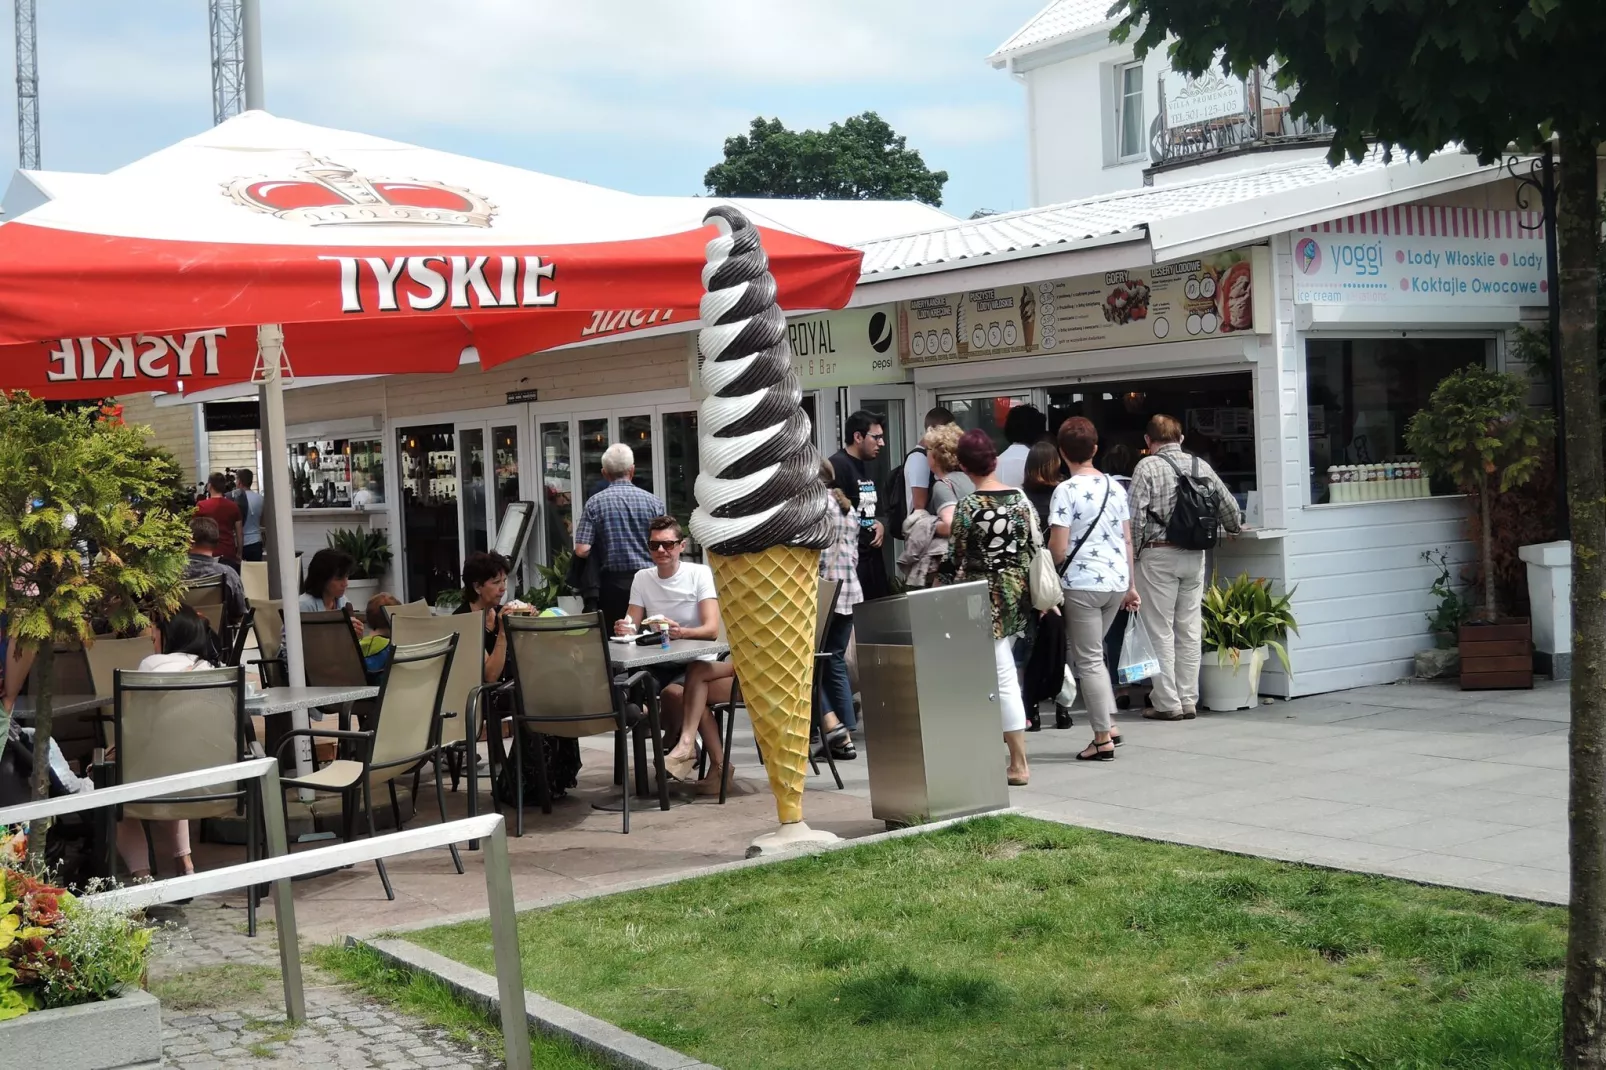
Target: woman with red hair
{"type": "Point", "coordinates": [991, 539]}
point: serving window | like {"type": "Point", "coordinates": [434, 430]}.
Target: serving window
{"type": "Point", "coordinates": [338, 473]}
{"type": "Point", "coordinates": [1360, 394]}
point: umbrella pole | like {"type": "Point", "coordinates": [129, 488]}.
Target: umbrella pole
{"type": "Point", "coordinates": [270, 363]}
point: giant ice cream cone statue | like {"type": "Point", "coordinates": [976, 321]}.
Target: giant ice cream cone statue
{"type": "Point", "coordinates": [760, 507]}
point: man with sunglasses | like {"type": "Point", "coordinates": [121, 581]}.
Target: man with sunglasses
{"type": "Point", "coordinates": [682, 592]}
{"type": "Point", "coordinates": [863, 436]}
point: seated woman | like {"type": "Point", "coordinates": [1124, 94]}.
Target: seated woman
{"type": "Point", "coordinates": [324, 589]}
{"type": "Point", "coordinates": [182, 645]}
{"type": "Point", "coordinates": [484, 585]}
{"type": "Point", "coordinates": [683, 592]}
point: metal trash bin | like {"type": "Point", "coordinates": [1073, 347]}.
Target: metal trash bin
{"type": "Point", "coordinates": [932, 727]}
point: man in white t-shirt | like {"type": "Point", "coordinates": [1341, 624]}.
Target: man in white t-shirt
{"type": "Point", "coordinates": [917, 470]}
{"type": "Point", "coordinates": [682, 593]}
{"type": "Point", "coordinates": [1024, 425]}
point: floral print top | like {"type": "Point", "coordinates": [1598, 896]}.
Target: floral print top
{"type": "Point", "coordinates": [992, 538]}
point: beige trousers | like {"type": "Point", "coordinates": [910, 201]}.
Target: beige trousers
{"type": "Point", "coordinates": [1088, 615]}
{"type": "Point", "coordinates": [1171, 584]}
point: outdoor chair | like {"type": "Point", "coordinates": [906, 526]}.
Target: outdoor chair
{"type": "Point", "coordinates": [242, 631]}
{"type": "Point", "coordinates": [268, 622]}
{"type": "Point", "coordinates": [725, 712]}
{"type": "Point", "coordinates": [77, 734]}
{"type": "Point", "coordinates": [564, 686]}
{"type": "Point", "coordinates": [165, 723]}
{"type": "Point", "coordinates": [205, 596]}
{"type": "Point", "coordinates": [254, 578]}
{"type": "Point", "coordinates": [332, 657]}
{"type": "Point", "coordinates": [464, 685]}
{"type": "Point", "coordinates": [403, 733]}
{"type": "Point", "coordinates": [419, 608]}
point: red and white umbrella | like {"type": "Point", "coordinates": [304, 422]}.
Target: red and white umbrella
{"type": "Point", "coordinates": [266, 244]}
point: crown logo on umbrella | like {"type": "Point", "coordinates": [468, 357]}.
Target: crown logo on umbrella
{"type": "Point", "coordinates": [332, 194]}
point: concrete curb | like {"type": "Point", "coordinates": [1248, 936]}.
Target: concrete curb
{"type": "Point", "coordinates": [591, 1034]}
{"type": "Point", "coordinates": [527, 905]}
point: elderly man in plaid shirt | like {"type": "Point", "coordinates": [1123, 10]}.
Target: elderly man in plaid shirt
{"type": "Point", "coordinates": [616, 519]}
{"type": "Point", "coordinates": [1170, 579]}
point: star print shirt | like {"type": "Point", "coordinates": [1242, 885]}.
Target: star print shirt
{"type": "Point", "coordinates": [1101, 564]}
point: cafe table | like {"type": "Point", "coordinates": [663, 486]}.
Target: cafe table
{"type": "Point", "coordinates": [632, 657]}
{"type": "Point", "coordinates": [60, 706]}
{"type": "Point", "coordinates": [278, 706]}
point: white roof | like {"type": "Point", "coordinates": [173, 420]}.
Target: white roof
{"type": "Point", "coordinates": [1061, 20]}
{"type": "Point", "coordinates": [842, 222]}
{"type": "Point", "coordinates": [1184, 218]}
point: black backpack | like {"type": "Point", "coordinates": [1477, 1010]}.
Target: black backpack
{"type": "Point", "coordinates": [896, 495]}
{"type": "Point", "coordinates": [1193, 524]}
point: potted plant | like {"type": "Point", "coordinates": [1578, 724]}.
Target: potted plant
{"type": "Point", "coordinates": [371, 552]}
{"type": "Point", "coordinates": [85, 533]}
{"type": "Point", "coordinates": [554, 590]}
{"type": "Point", "coordinates": [70, 975]}
{"type": "Point", "coordinates": [1478, 431]}
{"type": "Point", "coordinates": [1242, 621]}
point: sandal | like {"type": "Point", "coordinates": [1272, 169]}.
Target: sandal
{"type": "Point", "coordinates": [679, 768]}
{"type": "Point", "coordinates": [710, 783]}
{"type": "Point", "coordinates": [1117, 739]}
{"type": "Point", "coordinates": [1095, 752]}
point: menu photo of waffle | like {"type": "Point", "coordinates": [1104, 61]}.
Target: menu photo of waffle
{"type": "Point", "coordinates": [1127, 302]}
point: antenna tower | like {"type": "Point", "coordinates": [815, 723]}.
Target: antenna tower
{"type": "Point", "coordinates": [27, 87]}
{"type": "Point", "coordinates": [228, 58]}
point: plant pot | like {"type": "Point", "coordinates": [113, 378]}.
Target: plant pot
{"type": "Point", "coordinates": [358, 592]}
{"type": "Point", "coordinates": [116, 1034]}
{"type": "Point", "coordinates": [1497, 655]}
{"type": "Point", "coordinates": [1444, 640]}
{"type": "Point", "coordinates": [571, 604]}
{"type": "Point", "coordinates": [1224, 686]}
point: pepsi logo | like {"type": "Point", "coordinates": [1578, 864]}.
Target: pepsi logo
{"type": "Point", "coordinates": [880, 332]}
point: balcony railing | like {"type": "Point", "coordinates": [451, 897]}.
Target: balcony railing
{"type": "Point", "coordinates": [1217, 114]}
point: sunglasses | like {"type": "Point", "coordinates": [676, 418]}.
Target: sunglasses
{"type": "Point", "coordinates": [660, 544]}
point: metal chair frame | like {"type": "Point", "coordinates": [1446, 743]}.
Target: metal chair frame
{"type": "Point", "coordinates": [363, 741]}
{"type": "Point", "coordinates": [532, 627]}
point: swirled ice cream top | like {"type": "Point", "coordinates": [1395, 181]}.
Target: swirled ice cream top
{"type": "Point", "coordinates": [760, 485]}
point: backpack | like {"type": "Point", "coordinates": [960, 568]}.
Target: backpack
{"type": "Point", "coordinates": [896, 495]}
{"type": "Point", "coordinates": [1193, 524]}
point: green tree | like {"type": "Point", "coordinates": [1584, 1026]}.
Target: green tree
{"type": "Point", "coordinates": [1491, 75]}
{"type": "Point", "coordinates": [1477, 430]}
{"type": "Point", "coordinates": [859, 159]}
{"type": "Point", "coordinates": [85, 533]}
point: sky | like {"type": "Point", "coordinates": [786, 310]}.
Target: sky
{"type": "Point", "coordinates": [637, 95]}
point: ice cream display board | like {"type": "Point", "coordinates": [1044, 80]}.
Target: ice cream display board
{"type": "Point", "coordinates": [1204, 297]}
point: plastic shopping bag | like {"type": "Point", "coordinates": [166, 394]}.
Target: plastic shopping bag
{"type": "Point", "coordinates": [1067, 695]}
{"type": "Point", "coordinates": [1138, 660]}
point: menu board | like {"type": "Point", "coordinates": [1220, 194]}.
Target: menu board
{"type": "Point", "coordinates": [1192, 299]}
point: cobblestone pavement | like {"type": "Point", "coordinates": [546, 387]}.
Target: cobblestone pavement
{"type": "Point", "coordinates": [345, 1030]}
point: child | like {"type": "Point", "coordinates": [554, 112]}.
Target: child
{"type": "Point", "coordinates": [375, 642]}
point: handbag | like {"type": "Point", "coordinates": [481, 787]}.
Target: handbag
{"type": "Point", "coordinates": [1043, 579]}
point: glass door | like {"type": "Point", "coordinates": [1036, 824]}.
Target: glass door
{"type": "Point", "coordinates": [681, 466]}
{"type": "Point", "coordinates": [431, 551]}
{"type": "Point", "coordinates": [895, 405]}
{"type": "Point", "coordinates": [471, 478]}
{"type": "Point", "coordinates": [636, 432]}
{"type": "Point", "coordinates": [987, 412]}
{"type": "Point", "coordinates": [557, 486]}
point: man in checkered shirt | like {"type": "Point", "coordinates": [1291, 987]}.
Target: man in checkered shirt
{"type": "Point", "coordinates": [1170, 579]}
{"type": "Point", "coordinates": [616, 519]}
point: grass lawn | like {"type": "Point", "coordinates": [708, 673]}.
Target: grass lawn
{"type": "Point", "coordinates": [1017, 943]}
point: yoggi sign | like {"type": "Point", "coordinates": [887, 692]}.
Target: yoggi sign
{"type": "Point", "coordinates": [1422, 255]}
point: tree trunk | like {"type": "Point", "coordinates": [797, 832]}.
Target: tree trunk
{"type": "Point", "coordinates": [1578, 233]}
{"type": "Point", "coordinates": [1485, 507]}
{"type": "Point", "coordinates": [44, 677]}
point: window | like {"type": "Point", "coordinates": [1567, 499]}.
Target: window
{"type": "Point", "coordinates": [338, 474]}
{"type": "Point", "coordinates": [1217, 414]}
{"type": "Point", "coordinates": [1129, 111]}
{"type": "Point", "coordinates": [1360, 393]}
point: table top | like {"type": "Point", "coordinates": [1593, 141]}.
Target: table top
{"type": "Point", "coordinates": [285, 699]}
{"type": "Point", "coordinates": [61, 705]}
{"type": "Point", "coordinates": [628, 658]}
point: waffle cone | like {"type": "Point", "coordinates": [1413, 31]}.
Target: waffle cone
{"type": "Point", "coordinates": [769, 601]}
